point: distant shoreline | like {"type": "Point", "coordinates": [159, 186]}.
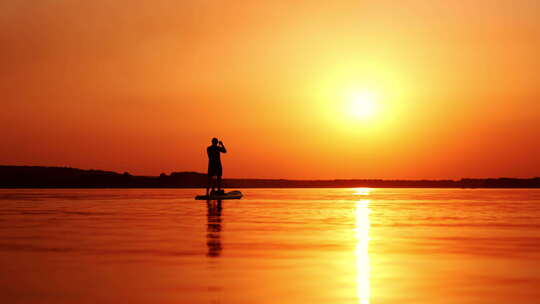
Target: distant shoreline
{"type": "Point", "coordinates": [64, 177]}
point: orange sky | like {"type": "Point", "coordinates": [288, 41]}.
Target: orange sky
{"type": "Point", "coordinates": [142, 86]}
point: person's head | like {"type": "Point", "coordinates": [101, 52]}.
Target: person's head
{"type": "Point", "coordinates": [214, 141]}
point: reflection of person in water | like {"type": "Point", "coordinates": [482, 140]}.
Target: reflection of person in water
{"type": "Point", "coordinates": [213, 237]}
{"type": "Point", "coordinates": [214, 164]}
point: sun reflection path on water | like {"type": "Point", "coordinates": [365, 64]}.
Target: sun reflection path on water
{"type": "Point", "coordinates": [362, 246]}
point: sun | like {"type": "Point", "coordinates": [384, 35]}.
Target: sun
{"type": "Point", "coordinates": [362, 105]}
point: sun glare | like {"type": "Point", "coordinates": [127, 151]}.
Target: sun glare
{"type": "Point", "coordinates": [362, 105]}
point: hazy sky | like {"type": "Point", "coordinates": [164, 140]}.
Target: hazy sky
{"type": "Point", "coordinates": [142, 86]}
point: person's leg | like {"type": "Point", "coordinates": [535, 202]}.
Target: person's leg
{"type": "Point", "coordinates": [208, 184]}
{"type": "Point", "coordinates": [219, 173]}
{"type": "Point", "coordinates": [219, 183]}
{"type": "Point", "coordinates": [213, 186]}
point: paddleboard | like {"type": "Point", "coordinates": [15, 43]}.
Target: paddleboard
{"type": "Point", "coordinates": [225, 196]}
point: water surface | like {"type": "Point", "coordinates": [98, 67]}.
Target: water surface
{"type": "Point", "coordinates": [273, 246]}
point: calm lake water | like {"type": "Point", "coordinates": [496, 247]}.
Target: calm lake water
{"type": "Point", "coordinates": [273, 246]}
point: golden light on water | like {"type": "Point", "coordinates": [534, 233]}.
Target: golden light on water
{"type": "Point", "coordinates": [362, 191]}
{"type": "Point", "coordinates": [362, 248]}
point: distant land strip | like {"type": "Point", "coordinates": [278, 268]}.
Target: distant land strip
{"type": "Point", "coordinates": [66, 177]}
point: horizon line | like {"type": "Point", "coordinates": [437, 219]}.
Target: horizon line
{"type": "Point", "coordinates": [284, 178]}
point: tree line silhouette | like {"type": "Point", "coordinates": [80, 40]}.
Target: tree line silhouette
{"type": "Point", "coordinates": [66, 177]}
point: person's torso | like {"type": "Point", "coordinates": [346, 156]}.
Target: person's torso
{"type": "Point", "coordinates": [213, 155]}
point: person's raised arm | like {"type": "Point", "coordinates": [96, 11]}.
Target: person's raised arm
{"type": "Point", "coordinates": [222, 147]}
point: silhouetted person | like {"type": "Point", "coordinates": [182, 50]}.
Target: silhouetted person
{"type": "Point", "coordinates": [213, 237]}
{"type": "Point", "coordinates": [214, 164]}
